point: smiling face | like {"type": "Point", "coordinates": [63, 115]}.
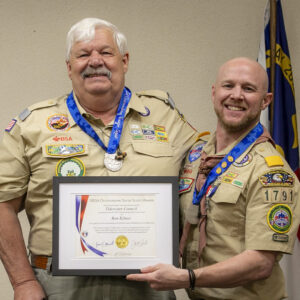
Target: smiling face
{"type": "Point", "coordinates": [240, 94]}
{"type": "Point", "coordinates": [96, 67]}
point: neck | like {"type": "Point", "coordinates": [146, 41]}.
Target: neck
{"type": "Point", "coordinates": [225, 137]}
{"type": "Point", "coordinates": [103, 107]}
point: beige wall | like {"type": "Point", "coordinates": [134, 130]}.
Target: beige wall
{"type": "Point", "coordinates": [175, 45]}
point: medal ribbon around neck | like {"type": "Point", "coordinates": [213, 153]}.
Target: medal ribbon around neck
{"type": "Point", "coordinates": [226, 162]}
{"type": "Point", "coordinates": [116, 132]}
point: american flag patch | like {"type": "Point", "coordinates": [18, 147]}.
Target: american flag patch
{"type": "Point", "coordinates": [11, 125]}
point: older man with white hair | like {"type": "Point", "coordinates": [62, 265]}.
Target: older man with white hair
{"type": "Point", "coordinates": [100, 129]}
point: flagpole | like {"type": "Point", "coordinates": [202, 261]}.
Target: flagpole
{"type": "Point", "coordinates": [272, 56]}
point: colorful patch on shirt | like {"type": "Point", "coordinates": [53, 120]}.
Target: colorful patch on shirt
{"type": "Point", "coordinates": [11, 125]}
{"type": "Point", "coordinates": [70, 167]}
{"type": "Point", "coordinates": [62, 138]}
{"type": "Point", "coordinates": [238, 183]}
{"type": "Point", "coordinates": [147, 126]}
{"type": "Point", "coordinates": [161, 135]}
{"type": "Point", "coordinates": [280, 218]}
{"type": "Point", "coordinates": [195, 152]}
{"type": "Point", "coordinates": [58, 123]}
{"type": "Point", "coordinates": [159, 128]}
{"type": "Point", "coordinates": [148, 132]}
{"type": "Point", "coordinates": [185, 184]}
{"type": "Point", "coordinates": [277, 178]}
{"type": "Point", "coordinates": [136, 132]}
{"type": "Point", "coordinates": [65, 150]}
{"type": "Point", "coordinates": [245, 161]}
{"type": "Point", "coordinates": [147, 113]}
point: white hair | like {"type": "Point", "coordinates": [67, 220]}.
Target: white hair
{"type": "Point", "coordinates": [84, 30]}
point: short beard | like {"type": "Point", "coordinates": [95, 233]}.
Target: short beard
{"type": "Point", "coordinates": [243, 126]}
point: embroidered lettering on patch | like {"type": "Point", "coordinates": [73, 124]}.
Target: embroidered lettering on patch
{"type": "Point", "coordinates": [58, 122]}
{"type": "Point", "coordinates": [185, 184]}
{"type": "Point", "coordinates": [64, 150]}
{"type": "Point", "coordinates": [62, 138]}
{"type": "Point", "coordinates": [11, 125]}
{"type": "Point", "coordinates": [279, 218]}
{"type": "Point", "coordinates": [277, 178]}
{"type": "Point", "coordinates": [70, 167]}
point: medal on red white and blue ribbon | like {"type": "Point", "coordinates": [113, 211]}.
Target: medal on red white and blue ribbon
{"type": "Point", "coordinates": [110, 161]}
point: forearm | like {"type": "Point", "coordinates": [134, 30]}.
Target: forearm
{"type": "Point", "coordinates": [12, 246]}
{"type": "Point", "coordinates": [238, 270]}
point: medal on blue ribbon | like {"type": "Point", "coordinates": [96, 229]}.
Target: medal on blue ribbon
{"type": "Point", "coordinates": [226, 162]}
{"type": "Point", "coordinates": [110, 160]}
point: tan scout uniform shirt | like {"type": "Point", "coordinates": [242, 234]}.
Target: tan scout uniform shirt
{"type": "Point", "coordinates": [256, 190]}
{"type": "Point", "coordinates": [45, 141]}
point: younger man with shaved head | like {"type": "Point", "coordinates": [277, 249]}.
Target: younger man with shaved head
{"type": "Point", "coordinates": [245, 203]}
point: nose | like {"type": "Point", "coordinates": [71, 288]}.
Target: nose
{"type": "Point", "coordinates": [237, 93]}
{"type": "Point", "coordinates": [96, 59]}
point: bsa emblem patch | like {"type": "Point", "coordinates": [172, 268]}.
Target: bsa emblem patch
{"type": "Point", "coordinates": [185, 184]}
{"type": "Point", "coordinates": [195, 152]}
{"type": "Point", "coordinates": [58, 123]}
{"type": "Point", "coordinates": [11, 125]}
{"type": "Point", "coordinates": [63, 150]}
{"type": "Point", "coordinates": [70, 167]}
{"type": "Point", "coordinates": [245, 161]}
{"type": "Point", "coordinates": [280, 218]}
{"type": "Point", "coordinates": [277, 178]}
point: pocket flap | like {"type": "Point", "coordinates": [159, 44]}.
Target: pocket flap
{"type": "Point", "coordinates": [155, 149]}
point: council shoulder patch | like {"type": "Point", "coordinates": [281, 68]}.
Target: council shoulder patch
{"type": "Point", "coordinates": [195, 152]}
{"type": "Point", "coordinates": [279, 218]}
{"type": "Point", "coordinates": [70, 167]}
{"type": "Point", "coordinates": [65, 150]}
{"type": "Point", "coordinates": [277, 178]}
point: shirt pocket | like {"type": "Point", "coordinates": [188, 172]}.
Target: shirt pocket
{"type": "Point", "coordinates": [154, 149]}
{"type": "Point", "coordinates": [226, 213]}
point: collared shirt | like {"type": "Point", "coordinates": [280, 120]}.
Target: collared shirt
{"type": "Point", "coordinates": [252, 196]}
{"type": "Point", "coordinates": [46, 142]}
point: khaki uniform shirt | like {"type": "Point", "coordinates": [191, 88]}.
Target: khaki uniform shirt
{"type": "Point", "coordinates": [255, 207]}
{"type": "Point", "coordinates": [44, 141]}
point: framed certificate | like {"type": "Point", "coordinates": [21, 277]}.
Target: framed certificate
{"type": "Point", "coordinates": [114, 225]}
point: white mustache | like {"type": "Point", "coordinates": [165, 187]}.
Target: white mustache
{"type": "Point", "coordinates": [96, 71]}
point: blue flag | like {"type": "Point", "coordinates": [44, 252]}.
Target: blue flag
{"type": "Point", "coordinates": [284, 121]}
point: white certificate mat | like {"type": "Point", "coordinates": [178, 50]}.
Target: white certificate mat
{"type": "Point", "coordinates": [114, 225]}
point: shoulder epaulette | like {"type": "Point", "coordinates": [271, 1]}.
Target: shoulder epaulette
{"type": "Point", "coordinates": [202, 134]}
{"type": "Point", "coordinates": [271, 157]}
{"type": "Point", "coordinates": [158, 94]}
{"type": "Point", "coordinates": [27, 111]}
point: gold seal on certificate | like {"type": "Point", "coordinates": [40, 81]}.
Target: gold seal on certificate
{"type": "Point", "coordinates": [122, 241]}
{"type": "Point", "coordinates": [111, 163]}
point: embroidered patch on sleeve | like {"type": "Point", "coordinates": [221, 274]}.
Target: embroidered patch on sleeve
{"type": "Point", "coordinates": [273, 161]}
{"type": "Point", "coordinates": [279, 218]}
{"type": "Point", "coordinates": [278, 195]}
{"type": "Point", "coordinates": [277, 178]}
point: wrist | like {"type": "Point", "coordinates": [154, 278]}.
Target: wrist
{"type": "Point", "coordinates": [22, 282]}
{"type": "Point", "coordinates": [192, 278]}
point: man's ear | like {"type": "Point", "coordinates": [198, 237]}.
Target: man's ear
{"type": "Point", "coordinates": [267, 100]}
{"type": "Point", "coordinates": [68, 68]}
